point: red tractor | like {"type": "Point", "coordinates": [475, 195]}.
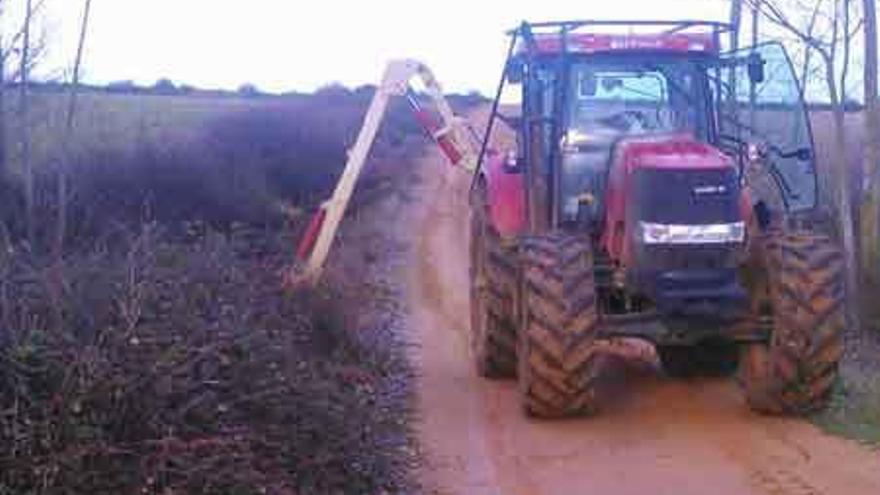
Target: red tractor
{"type": "Point", "coordinates": [657, 189]}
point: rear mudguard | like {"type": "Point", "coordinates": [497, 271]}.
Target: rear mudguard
{"type": "Point", "coordinates": [506, 190]}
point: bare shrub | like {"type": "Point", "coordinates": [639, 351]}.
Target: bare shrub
{"type": "Point", "coordinates": [181, 367]}
{"type": "Point", "coordinates": [239, 169]}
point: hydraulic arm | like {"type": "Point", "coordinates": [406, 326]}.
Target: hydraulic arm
{"type": "Point", "coordinates": [451, 133]}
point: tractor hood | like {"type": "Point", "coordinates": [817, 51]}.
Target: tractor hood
{"type": "Point", "coordinates": [669, 151]}
{"type": "Point", "coordinates": [666, 179]}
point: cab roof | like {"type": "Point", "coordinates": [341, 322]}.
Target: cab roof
{"type": "Point", "coordinates": [588, 37]}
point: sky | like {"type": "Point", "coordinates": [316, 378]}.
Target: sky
{"type": "Point", "coordinates": [300, 45]}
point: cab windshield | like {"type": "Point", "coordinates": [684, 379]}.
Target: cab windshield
{"type": "Point", "coordinates": [622, 97]}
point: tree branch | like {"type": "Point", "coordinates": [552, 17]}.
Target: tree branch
{"type": "Point", "coordinates": [6, 51]}
{"type": "Point", "coordinates": [774, 14]}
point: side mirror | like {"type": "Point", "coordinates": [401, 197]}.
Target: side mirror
{"type": "Point", "coordinates": [515, 71]}
{"type": "Point", "coordinates": [756, 68]}
{"type": "Point", "coordinates": [804, 154]}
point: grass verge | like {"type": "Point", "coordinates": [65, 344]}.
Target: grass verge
{"type": "Point", "coordinates": [854, 411]}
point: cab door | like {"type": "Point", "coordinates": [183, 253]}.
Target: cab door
{"type": "Point", "coordinates": [761, 109]}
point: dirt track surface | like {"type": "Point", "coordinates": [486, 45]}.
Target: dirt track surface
{"type": "Point", "coordinates": [656, 436]}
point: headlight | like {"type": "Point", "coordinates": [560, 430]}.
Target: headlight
{"type": "Point", "coordinates": [716, 233]}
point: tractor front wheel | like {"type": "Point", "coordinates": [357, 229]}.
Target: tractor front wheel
{"type": "Point", "coordinates": [795, 371]}
{"type": "Point", "coordinates": [558, 358]}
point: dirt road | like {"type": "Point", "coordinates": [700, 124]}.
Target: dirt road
{"type": "Point", "coordinates": [657, 437]}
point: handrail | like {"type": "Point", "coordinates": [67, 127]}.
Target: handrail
{"type": "Point", "coordinates": [721, 27]}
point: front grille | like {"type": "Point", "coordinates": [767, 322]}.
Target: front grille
{"type": "Point", "coordinates": [686, 196]}
{"type": "Point", "coordinates": [688, 257]}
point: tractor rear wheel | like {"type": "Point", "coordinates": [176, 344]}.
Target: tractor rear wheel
{"type": "Point", "coordinates": [795, 371]}
{"type": "Point", "coordinates": [558, 358]}
{"type": "Point", "coordinates": [492, 285]}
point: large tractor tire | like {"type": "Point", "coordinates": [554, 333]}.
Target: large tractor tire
{"type": "Point", "coordinates": [492, 287]}
{"type": "Point", "coordinates": [707, 358]}
{"type": "Point", "coordinates": [558, 358]}
{"type": "Point", "coordinates": [795, 371]}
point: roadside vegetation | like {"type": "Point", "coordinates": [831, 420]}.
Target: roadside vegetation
{"type": "Point", "coordinates": [179, 365]}
{"type": "Point", "coordinates": [854, 406]}
{"type": "Point", "coordinates": [159, 353]}
{"type": "Point", "coordinates": [854, 411]}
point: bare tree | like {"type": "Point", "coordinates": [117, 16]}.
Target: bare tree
{"type": "Point", "coordinates": [870, 231]}
{"type": "Point", "coordinates": [847, 38]}
{"type": "Point", "coordinates": [756, 22]}
{"type": "Point", "coordinates": [63, 163]}
{"type": "Point", "coordinates": [806, 73]}
{"type": "Point", "coordinates": [833, 48]}
{"type": "Point", "coordinates": [10, 47]}
{"type": "Point", "coordinates": [2, 99]}
{"type": "Point", "coordinates": [24, 125]}
{"type": "Point", "coordinates": [735, 23]}
{"type": "Point", "coordinates": [753, 95]}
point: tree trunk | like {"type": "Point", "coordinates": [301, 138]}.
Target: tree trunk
{"type": "Point", "coordinates": [3, 157]}
{"type": "Point", "coordinates": [844, 199]}
{"type": "Point", "coordinates": [753, 96]}
{"type": "Point", "coordinates": [24, 125]}
{"type": "Point", "coordinates": [808, 50]}
{"type": "Point", "coordinates": [64, 162]}
{"type": "Point", "coordinates": [870, 227]}
{"type": "Point", "coordinates": [735, 22]}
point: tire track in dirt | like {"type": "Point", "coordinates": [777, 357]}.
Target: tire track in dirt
{"type": "Point", "coordinates": [654, 436]}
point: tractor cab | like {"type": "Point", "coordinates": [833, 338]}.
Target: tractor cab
{"type": "Point", "coordinates": [590, 97]}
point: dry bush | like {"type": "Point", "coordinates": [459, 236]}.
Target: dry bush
{"type": "Point", "coordinates": [179, 366]}
{"type": "Point", "coordinates": [238, 169]}
{"type": "Point", "coordinates": [170, 361]}
{"type": "Point", "coordinates": [245, 164]}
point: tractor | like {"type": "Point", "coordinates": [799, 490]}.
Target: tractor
{"type": "Point", "coordinates": [654, 188]}
{"type": "Point", "coordinates": [657, 189]}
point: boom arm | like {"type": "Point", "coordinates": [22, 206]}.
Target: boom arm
{"type": "Point", "coordinates": [454, 136]}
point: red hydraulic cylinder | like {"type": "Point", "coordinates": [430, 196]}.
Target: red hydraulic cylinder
{"type": "Point", "coordinates": [445, 140]}
{"type": "Point", "coordinates": [311, 235]}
